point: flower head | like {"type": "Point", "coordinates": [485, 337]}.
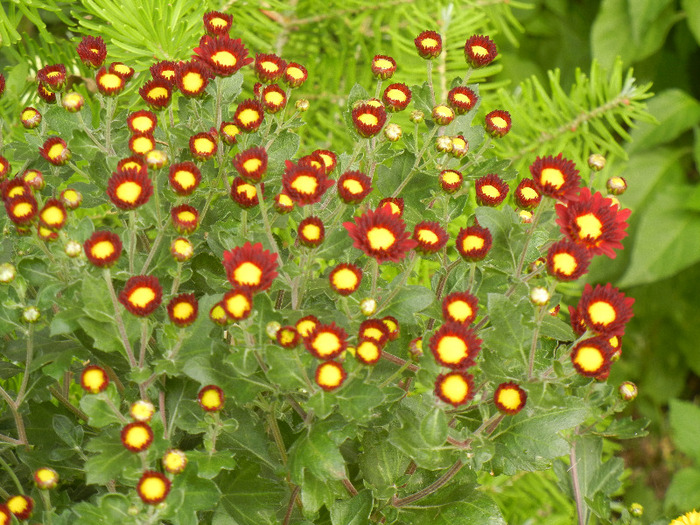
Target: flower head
{"type": "Point", "coordinates": [491, 190]}
{"type": "Point", "coordinates": [103, 248]}
{"type": "Point", "coordinates": [273, 98]}
{"type": "Point", "coordinates": [567, 261]}
{"type": "Point", "coordinates": [306, 325]}
{"type": "Point", "coordinates": [92, 51]}
{"type": "Point", "coordinates": [592, 357]}
{"type": "Point", "coordinates": [153, 487]}
{"type": "Point", "coordinates": [526, 195]}
{"type": "Point", "coordinates": [354, 186]}
{"type": "Point", "coordinates": [249, 115]}
{"type": "Point", "coordinates": [142, 143]}
{"type": "Point", "coordinates": [428, 44]}
{"type": "Point", "coordinates": [311, 231]}
{"type": "Point", "coordinates": [509, 398]}
{"type": "Point", "coordinates": [594, 222]}
{"type": "Point", "coordinates": [30, 117]}
{"type": "Point", "coordinates": [192, 78]}
{"type": "Point", "coordinates": [283, 204]}
{"type": "Point", "coordinates": [53, 215]}
{"type": "Point", "coordinates": [498, 123]}
{"type": "Point", "coordinates": [142, 121]}
{"type": "Point", "coordinates": [330, 375]}
{"type": "Point", "coordinates": [461, 99]}
{"type": "Point", "coordinates": [430, 236]}
{"type": "Point", "coordinates": [142, 410]}
{"type": "Point", "coordinates": [183, 309]}
{"type": "Point", "coordinates": [269, 67]}
{"type": "Point", "coordinates": [605, 310]}
{"type": "Point", "coordinates": [34, 179]}
{"type": "Point", "coordinates": [5, 168]}
{"type": "Point", "coordinates": [368, 119]}
{"type": "Point", "coordinates": [202, 146]}
{"type": "Point", "coordinates": [455, 388]}
{"type": "Point", "coordinates": [326, 341]}
{"type": "Point", "coordinates": [129, 189]}
{"type": "Point", "coordinates": [55, 150]}
{"type": "Point", "coordinates": [460, 146]}
{"type": "Point", "coordinates": [474, 242]}
{"type": "Point", "coordinates": [237, 303]}
{"type": "Point", "coordinates": [556, 177]}
{"type": "Point", "coordinates": [5, 514]}
{"type": "Point", "coordinates": [368, 352]}
{"type": "Point", "coordinates": [45, 478]}
{"type": "Point", "coordinates": [211, 398]}
{"type": "Point", "coordinates": [21, 209]}
{"type": "Point", "coordinates": [443, 114]}
{"type": "Point", "coordinates": [250, 266]}
{"type": "Point", "coordinates": [21, 506]}
{"type": "Point", "coordinates": [122, 70]}
{"type": "Point", "coordinates": [460, 307]}
{"type": "Point", "coordinates": [52, 77]}
{"type": "Point", "coordinates": [689, 518]}
{"type": "Point", "coordinates": [393, 205]}
{"type": "Point", "coordinates": [383, 67]}
{"type": "Point", "coordinates": [304, 183]}
{"type": "Point", "coordinates": [174, 461]}
{"type": "Point", "coordinates": [46, 95]}
{"type": "Point", "coordinates": [165, 70]}
{"type": "Point", "coordinates": [141, 295]}
{"type": "Point", "coordinates": [184, 177]}
{"type": "Point", "coordinates": [345, 278]}
{"type": "Point", "coordinates": [156, 93]}
{"type": "Point", "coordinates": [181, 249]}
{"type": "Point", "coordinates": [396, 97]}
{"type": "Point", "coordinates": [479, 51]}
{"type": "Point", "coordinates": [109, 83]}
{"type": "Point", "coordinates": [380, 234]}
{"type": "Point", "coordinates": [455, 346]}
{"type": "Point", "coordinates": [73, 102]}
{"type": "Point", "coordinates": [222, 54]}
{"type": "Point", "coordinates": [287, 337]}
{"type": "Point", "coordinates": [374, 330]}
{"type": "Point", "coordinates": [450, 180]}
{"type": "Point", "coordinates": [244, 193]}
{"type": "Point", "coordinates": [94, 379]}
{"type": "Point", "coordinates": [137, 436]}
{"type": "Point", "coordinates": [228, 131]}
{"type": "Point", "coordinates": [295, 75]}
{"type": "Point", "coordinates": [251, 164]}
{"type": "Point", "coordinates": [217, 23]}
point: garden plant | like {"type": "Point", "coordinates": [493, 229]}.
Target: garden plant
{"type": "Point", "coordinates": [209, 314]}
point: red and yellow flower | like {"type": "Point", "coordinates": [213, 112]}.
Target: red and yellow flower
{"type": "Point", "coordinates": [94, 379]}
{"type": "Point", "coordinates": [251, 164]}
{"type": "Point", "coordinates": [594, 222]}
{"type": "Point", "coordinates": [222, 54]}
{"type": "Point", "coordinates": [142, 121]}
{"type": "Point", "coordinates": [183, 309]}
{"type": "Point", "coordinates": [498, 123]}
{"type": "Point", "coordinates": [443, 115]}
{"type": "Point", "coordinates": [592, 357]}
{"type": "Point", "coordinates": [5, 514]}
{"type": "Point", "coordinates": [605, 310]}
{"type": "Point", "coordinates": [92, 51]}
{"type": "Point", "coordinates": [185, 218]}
{"type": "Point", "coordinates": [5, 168]}
{"type": "Point", "coordinates": [354, 186]}
{"type": "Point", "coordinates": [153, 487]}
{"type": "Point", "coordinates": [55, 150]}
{"type": "Point", "coordinates": [192, 78]}
{"type": "Point", "coordinates": [269, 67]}
{"type": "Point", "coordinates": [181, 249]}
{"type": "Point", "coordinates": [21, 506]}
{"type": "Point", "coordinates": [142, 410]}
{"type": "Point", "coordinates": [368, 119]}
{"type": "Point", "coordinates": [396, 97]}
{"type": "Point", "coordinates": [380, 234]}
{"type": "Point", "coordinates": [428, 44]}
{"type": "Point", "coordinates": [474, 242]}
{"type": "Point", "coordinates": [345, 278]}
{"type": "Point", "coordinates": [237, 303]}
{"type": "Point", "coordinates": [141, 295]}
{"type": "Point", "coordinates": [273, 98]}
{"type": "Point", "coordinates": [329, 159]}
{"type": "Point", "coordinates": [21, 209]}
{"type": "Point", "coordinates": [250, 266]}
{"type": "Point", "coordinates": [461, 99]}
{"type": "Point", "coordinates": [174, 461]}
{"type": "Point", "coordinates": [430, 236]}
{"type": "Point", "coordinates": [383, 67]}
{"type": "Point", "coordinates": [479, 51]}
{"type": "Point", "coordinates": [44, 94]}
{"type": "Point", "coordinates": [34, 178]}
{"type": "Point", "coordinates": [527, 195]}
{"type": "Point", "coordinates": [509, 398]}
{"type": "Point", "coordinates": [165, 70]}
{"type": "Point", "coordinates": [393, 205]}
{"type": "Point", "coordinates": [52, 77]}
{"type": "Point", "coordinates": [304, 184]}
{"type": "Point", "coordinates": [330, 375]}
{"type": "Point", "coordinates": [455, 346]}
{"type": "Point", "coordinates": [283, 204]}
{"type": "Point", "coordinates": [53, 215]}
{"type": "Point", "coordinates": [374, 330]}
{"type": "Point", "coordinates": [287, 337]}
{"type": "Point", "coordinates": [368, 352]}
{"type": "Point", "coordinates": [211, 398]}
{"type": "Point", "coordinates": [460, 146]}
{"type": "Point", "coordinates": [244, 193]}
{"type": "Point", "coordinates": [103, 248]}
{"type": "Point", "coordinates": [129, 189]}
{"type": "Point", "coordinates": [45, 478]}
{"type": "Point", "coordinates": [249, 115]}
{"type": "Point", "coordinates": [326, 341]}
{"type": "Point", "coordinates": [311, 231]}
{"type": "Point", "coordinates": [217, 23]}
{"type": "Point", "coordinates": [142, 143]}
{"type": "Point", "coordinates": [228, 131]}
{"type": "Point", "coordinates": [455, 388]}
{"type": "Point", "coordinates": [450, 180]}
{"type": "Point", "coordinates": [122, 70]}
{"type": "Point", "coordinates": [491, 190]}
{"type": "Point", "coordinates": [109, 83]}
{"type": "Point", "coordinates": [203, 146]}
{"type": "Point", "coordinates": [556, 177]}
{"type": "Point", "coordinates": [30, 117]}
{"type": "Point", "coordinates": [137, 436]}
{"type": "Point", "coordinates": [295, 75]}
{"type": "Point", "coordinates": [156, 93]}
{"type": "Point", "coordinates": [306, 325]}
{"type": "Point", "coordinates": [184, 177]}
{"type": "Point", "coordinates": [567, 261]}
{"type": "Point", "coordinates": [392, 326]}
{"type": "Point", "coordinates": [460, 307]}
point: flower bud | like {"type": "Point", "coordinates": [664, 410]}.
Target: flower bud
{"type": "Point", "coordinates": [31, 314]}
{"type": "Point", "coordinates": [596, 162]}
{"type": "Point", "coordinates": [30, 117]}
{"type": "Point", "coordinates": [272, 328]}
{"type": "Point", "coordinates": [72, 102]}
{"type": "Point", "coordinates": [181, 249]}
{"type": "Point", "coordinates": [443, 115]}
{"type": "Point", "coordinates": [73, 249]}
{"type": "Point", "coordinates": [35, 179]}
{"type": "Point", "coordinates": [415, 348]}
{"type": "Point", "coordinates": [616, 185]}
{"type": "Point", "coordinates": [71, 198]}
{"type": "Point", "coordinates": [539, 296]}
{"type": "Point", "coordinates": [7, 273]}
{"type": "Point", "coordinates": [156, 159]}
{"type": "Point", "coordinates": [417, 116]}
{"type": "Point", "coordinates": [133, 510]}
{"type": "Point", "coordinates": [45, 478]}
{"type": "Point", "coordinates": [392, 132]}
{"type": "Point", "coordinates": [525, 216]}
{"type": "Point", "coordinates": [628, 391]}
{"type": "Point", "coordinates": [368, 306]}
{"type": "Point", "coordinates": [636, 510]}
{"type": "Point", "coordinates": [460, 146]}
{"type": "Point", "coordinates": [302, 105]}
{"type": "Point", "coordinates": [443, 144]}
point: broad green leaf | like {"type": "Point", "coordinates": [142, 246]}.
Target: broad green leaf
{"type": "Point", "coordinates": [358, 400]}
{"type": "Point", "coordinates": [626, 428]}
{"type": "Point", "coordinates": [511, 333]}
{"type": "Point", "coordinates": [250, 438]}
{"type": "Point", "coordinates": [209, 465]}
{"type": "Point", "coordinates": [316, 493]}
{"type": "Point", "coordinates": [692, 16]}
{"type": "Point", "coordinates": [97, 408]}
{"type": "Point", "coordinates": [684, 488]}
{"type": "Point", "coordinates": [458, 505]}
{"type": "Point", "coordinates": [354, 511]}
{"type": "Point", "coordinates": [70, 434]}
{"type": "Point", "coordinates": [285, 371]}
{"type": "Point", "coordinates": [685, 427]}
{"type": "Point", "coordinates": [110, 460]}
{"type": "Point", "coordinates": [317, 453]}
{"type": "Point", "coordinates": [250, 497]}
{"type": "Point", "coordinates": [381, 463]}
{"type": "Point", "coordinates": [433, 428]}
{"type": "Point", "coordinates": [408, 302]}
{"type": "Point", "coordinates": [556, 329]}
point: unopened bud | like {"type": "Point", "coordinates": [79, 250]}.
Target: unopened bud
{"type": "Point", "coordinates": [302, 104]}
{"type": "Point", "coordinates": [617, 185]}
{"type": "Point", "coordinates": [31, 314]}
{"type": "Point", "coordinates": [73, 249]}
{"type": "Point", "coordinates": [443, 144]}
{"type": "Point", "coordinates": [7, 273]}
{"type": "Point", "coordinates": [525, 216]}
{"type": "Point", "coordinates": [133, 510]}
{"type": "Point", "coordinates": [596, 162]}
{"type": "Point", "coordinates": [72, 102]}
{"type": "Point", "coordinates": [272, 328]}
{"type": "Point", "coordinates": [415, 348]}
{"type": "Point", "coordinates": [417, 116]}
{"type": "Point", "coordinates": [182, 249]}
{"type": "Point", "coordinates": [368, 306]}
{"type": "Point", "coordinates": [460, 146]}
{"type": "Point", "coordinates": [71, 198]}
{"type": "Point", "coordinates": [156, 159]}
{"type": "Point", "coordinates": [30, 118]}
{"type": "Point", "coordinates": [628, 391]}
{"type": "Point", "coordinates": [392, 132]}
{"type": "Point", "coordinates": [539, 296]}
{"type": "Point", "coordinates": [636, 510]}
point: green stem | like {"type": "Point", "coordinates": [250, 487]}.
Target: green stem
{"type": "Point", "coordinates": [176, 281]}
{"type": "Point", "coordinates": [266, 220]}
{"type": "Point", "coordinates": [12, 475]}
{"type": "Point", "coordinates": [154, 248]}
{"type": "Point", "coordinates": [27, 366]}
{"type": "Point", "coordinates": [395, 375]}
{"type": "Point", "coordinates": [132, 240]}
{"type": "Point", "coordinates": [48, 512]}
{"type": "Point", "coordinates": [578, 497]}
{"type": "Point", "coordinates": [118, 318]}
{"type": "Point", "coordinates": [111, 106]}
{"type": "Point", "coordinates": [144, 341]}
{"type": "Point", "coordinates": [429, 67]}
{"type": "Point", "coordinates": [530, 232]}
{"type": "Point", "coordinates": [433, 487]}
{"type": "Point", "coordinates": [244, 224]}
{"type": "Point", "coordinates": [467, 75]}
{"type": "Point", "coordinates": [419, 157]}
{"type": "Point", "coordinates": [378, 89]}
{"type": "Point", "coordinates": [375, 276]}
{"type": "Point", "coordinates": [91, 135]}
{"type": "Point", "coordinates": [276, 435]}
{"type": "Point", "coordinates": [399, 286]}
{"type": "Point", "coordinates": [115, 409]}
{"type": "Point", "coordinates": [19, 422]}
{"type": "Point", "coordinates": [75, 168]}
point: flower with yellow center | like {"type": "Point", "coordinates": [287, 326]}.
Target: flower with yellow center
{"type": "Point", "coordinates": [455, 388]}
{"type": "Point", "coordinates": [250, 267]}
{"type": "Point", "coordinates": [473, 243]}
{"type": "Point", "coordinates": [330, 375]}
{"type": "Point", "coordinates": [45, 478]}
{"type": "Point", "coordinates": [153, 487]}
{"type": "Point", "coordinates": [237, 304]}
{"type": "Point", "coordinates": [380, 234]}
{"type": "Point", "coordinates": [591, 357]}
{"type": "Point", "coordinates": [455, 346]}
{"type": "Point", "coordinates": [211, 398]}
{"type": "Point", "coordinates": [460, 307]}
{"type": "Point", "coordinates": [141, 295]}
{"type": "Point", "coordinates": [306, 325]}
{"type": "Point", "coordinates": [174, 461]}
{"type": "Point", "coordinates": [94, 379]}
{"type": "Point", "coordinates": [137, 436]}
{"type": "Point", "coordinates": [183, 309]}
{"type": "Point", "coordinates": [326, 341]}
{"type": "Point", "coordinates": [509, 398]}
{"type": "Point", "coordinates": [689, 518]}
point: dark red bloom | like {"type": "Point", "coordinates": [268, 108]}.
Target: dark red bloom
{"type": "Point", "coordinates": [223, 55]}
{"type": "Point", "coordinates": [311, 231]}
{"type": "Point", "coordinates": [183, 309]}
{"type": "Point", "coordinates": [124, 71]}
{"type": "Point", "coordinates": [455, 388]}
{"type": "Point", "coordinates": [354, 186]}
{"type": "Point", "coordinates": [269, 67]}
{"type": "Point", "coordinates": [47, 96]}
{"type": "Point", "coordinates": [5, 168]}
{"type": "Point", "coordinates": [153, 487]}
{"type": "Point", "coordinates": [330, 375]}
{"type": "Point", "coordinates": [249, 115]}
{"type": "Point", "coordinates": [430, 236]}
{"type": "Point", "coordinates": [393, 204]}
{"type": "Point", "coordinates": [374, 330]}
{"type": "Point", "coordinates": [141, 295]}
{"type": "Point", "coordinates": [273, 98]}
{"type": "Point", "coordinates": [142, 143]}
{"type": "Point", "coordinates": [380, 234]}
{"type": "Point", "coordinates": [135, 162]}
{"type": "Point", "coordinates": [55, 150]}
{"type": "Point", "coordinates": [142, 121]}
{"type": "Point", "coordinates": [35, 179]}
{"type": "Point", "coordinates": [605, 310]}
{"type": "Point", "coordinates": [250, 266]}
{"type": "Point", "coordinates": [21, 506]}
{"type": "Point", "coordinates": [287, 337]}
{"type": "Point", "coordinates": [592, 357]}
{"type": "Point", "coordinates": [228, 131]}
{"type": "Point", "coordinates": [428, 44]}
{"type": "Point", "coordinates": [451, 180]}
{"type": "Point", "coordinates": [329, 159]}
{"type": "Point", "coordinates": [94, 379]}
{"type": "Point", "coordinates": [129, 189]}
{"type": "Point", "coordinates": [192, 78]}
{"type": "Point", "coordinates": [396, 97]}
{"type": "Point", "coordinates": [509, 398]}
{"type": "Point", "coordinates": [92, 51]}
{"type": "Point", "coordinates": [527, 196]}
{"type": "Point", "coordinates": [156, 93]}
{"type": "Point", "coordinates": [165, 70]}
{"type": "Point", "coordinates": [326, 341]}
{"type": "Point", "coordinates": [474, 242]}
{"type": "Point", "coordinates": [103, 248]}
{"type": "Point", "coordinates": [443, 115]}
{"type": "Point", "coordinates": [461, 99]}
{"type": "Point", "coordinates": [455, 346]}
{"type": "Point", "coordinates": [53, 215]}
{"type": "Point", "coordinates": [203, 146]}
{"type": "Point", "coordinates": [479, 51]}
{"type": "Point", "coordinates": [498, 123]}
{"type": "Point", "coordinates": [556, 177]}
{"type": "Point", "coordinates": [305, 325]}
{"type": "Point", "coordinates": [237, 303]}
{"type": "Point", "coordinates": [295, 75]}
{"type": "Point", "coordinates": [460, 307]}
{"type": "Point", "coordinates": [30, 117]}
{"type": "Point", "coordinates": [244, 193]}
{"type": "Point", "coordinates": [368, 119]}
{"type": "Point", "coordinates": [567, 261]}
{"type": "Point", "coordinates": [14, 188]}
{"type": "Point", "coordinates": [383, 67]}
{"type": "Point", "coordinates": [184, 177]}
{"type": "Point", "coordinates": [52, 77]}
{"type": "Point", "coordinates": [217, 23]}
{"type": "Point", "coordinates": [368, 352]}
{"type": "Point", "coordinates": [304, 184]}
{"type": "Point", "coordinates": [491, 190]}
{"type": "Point", "coordinates": [185, 218]}
{"type": "Point", "coordinates": [21, 209]}
{"type": "Point", "coordinates": [345, 278]}
{"type": "Point", "coordinates": [109, 83]}
{"type": "Point", "coordinates": [251, 164]}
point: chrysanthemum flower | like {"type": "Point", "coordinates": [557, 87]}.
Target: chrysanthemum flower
{"type": "Point", "coordinates": [460, 307]}
{"type": "Point", "coordinates": [304, 184]}
{"type": "Point", "coordinates": [479, 51]}
{"type": "Point", "coordinates": [184, 177]}
{"type": "Point", "coordinates": [164, 70]}
{"type": "Point", "coordinates": [109, 83]}
{"type": "Point", "coordinates": [526, 195]}
{"type": "Point", "coordinates": [223, 55]}
{"type": "Point", "coordinates": [311, 231]}
{"type": "Point", "coordinates": [374, 330]}
{"type": "Point", "coordinates": [21, 209]}
{"type": "Point", "coordinates": [329, 159]}
{"type": "Point", "coordinates": [345, 278]}
{"type": "Point", "coordinates": [34, 179]}
{"type": "Point", "coordinates": [202, 146]}
{"type": "Point", "coordinates": [556, 177]}
{"type": "Point", "coordinates": [94, 379]}
{"type": "Point", "coordinates": [383, 67]}
{"type": "Point", "coordinates": [443, 115]}
{"type": "Point", "coordinates": [5, 514]}
{"type": "Point", "coordinates": [12, 188]}
{"type": "Point", "coordinates": [509, 398]}
{"type": "Point", "coordinates": [269, 67]}
{"type": "Point", "coordinates": [605, 310]}
{"type": "Point", "coordinates": [185, 218]}
{"type": "Point", "coordinates": [326, 341]}
{"type": "Point", "coordinates": [368, 352]}
{"type": "Point", "coordinates": [92, 51]}
{"type": "Point", "coordinates": [455, 346]}
{"type": "Point", "coordinates": [5, 168]}
{"type": "Point", "coordinates": [129, 189]}
{"type": "Point", "coordinates": [55, 150]}
{"type": "Point", "coordinates": [244, 193]}
{"type": "Point", "coordinates": [430, 236]}
{"type": "Point", "coordinates": [380, 234]}
{"type": "Point", "coordinates": [238, 303]}
{"type": "Point", "coordinates": [153, 487]}
{"type": "Point", "coordinates": [498, 123]}
{"type": "Point", "coordinates": [137, 436]}
{"type": "Point", "coordinates": [460, 146]}
{"type": "Point", "coordinates": [393, 205]}
{"type": "Point", "coordinates": [251, 164]}
{"type": "Point", "coordinates": [174, 461]}
{"type": "Point", "coordinates": [474, 242]}
{"type": "Point", "coordinates": [283, 203]}
{"type": "Point", "coordinates": [314, 160]}
{"type": "Point", "coordinates": [306, 325]}
{"type": "Point", "coordinates": [273, 98]}
{"type": "Point", "coordinates": [142, 143]}
{"type": "Point", "coordinates": [218, 314]}
{"type": "Point", "coordinates": [295, 75]}
{"type": "Point", "coordinates": [591, 357]}
{"type": "Point", "coordinates": [142, 410]}
{"type": "Point", "coordinates": [72, 102]}
{"type": "Point", "coordinates": [21, 506]}
{"type": "Point", "coordinates": [354, 186]}
{"type": "Point", "coordinates": [450, 180]}
{"type": "Point", "coordinates": [249, 115]}
{"type": "Point", "coordinates": [228, 131]}
{"type": "Point", "coordinates": [287, 337]}
{"type": "Point", "coordinates": [52, 77]}
{"type": "Point", "coordinates": [491, 190]}
{"type": "Point", "coordinates": [53, 215]}
{"type": "Point", "coordinates": [181, 249]}
{"type": "Point", "coordinates": [250, 266]}
{"type": "Point", "coordinates": [428, 44]}
{"type": "Point", "coordinates": [134, 162]}
{"type": "Point", "coordinates": [192, 78]}
{"type": "Point", "coordinates": [183, 309]}
{"type": "Point", "coordinates": [122, 70]}
{"type": "Point", "coordinates": [593, 222]}
{"type": "Point", "coordinates": [616, 185]}
{"type": "Point", "coordinates": [103, 248]}
{"type": "Point", "coordinates": [156, 93]}
{"type": "Point", "coordinates": [44, 94]}
{"type": "Point", "coordinates": [368, 119]}
{"type": "Point", "coordinates": [217, 23]}
{"type": "Point", "coordinates": [45, 234]}
{"type": "Point", "coordinates": [142, 121]}
{"type": "Point", "coordinates": [30, 117]}
{"type": "Point", "coordinates": [396, 97]}
{"type": "Point", "coordinates": [141, 295]}
{"type": "Point", "coordinates": [455, 388]}
{"type": "Point", "coordinates": [45, 478]}
{"type": "Point", "coordinates": [330, 375]}
{"type": "Point", "coordinates": [211, 398]}
{"type": "Point", "coordinates": [567, 261]}
{"type": "Point", "coordinates": [689, 518]}
{"type": "Point", "coordinates": [461, 99]}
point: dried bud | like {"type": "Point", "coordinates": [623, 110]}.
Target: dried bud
{"type": "Point", "coordinates": [392, 132]}
{"type": "Point", "coordinates": [7, 273]}
{"type": "Point", "coordinates": [302, 105]}
{"type": "Point", "coordinates": [272, 328]}
{"type": "Point", "coordinates": [73, 102]}
{"type": "Point", "coordinates": [368, 306]}
{"type": "Point", "coordinates": [443, 144]}
{"type": "Point", "coordinates": [596, 162]}
{"type": "Point", "coordinates": [628, 391]}
{"type": "Point", "coordinates": [31, 314]}
{"type": "Point", "coordinates": [73, 249]}
{"type": "Point", "coordinates": [417, 116]}
{"type": "Point", "coordinates": [539, 296]}
{"type": "Point", "coordinates": [616, 185]}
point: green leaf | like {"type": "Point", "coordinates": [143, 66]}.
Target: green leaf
{"type": "Point", "coordinates": [197, 494]}
{"type": "Point", "coordinates": [556, 329]}
{"type": "Point", "coordinates": [458, 505]}
{"type": "Point", "coordinates": [317, 453]}
{"type": "Point", "coordinates": [408, 302]}
{"type": "Point", "coordinates": [230, 86]}
{"type": "Point", "coordinates": [685, 427]}
{"type": "Point", "coordinates": [111, 458]}
{"type": "Point", "coordinates": [209, 465]}
{"type": "Point", "coordinates": [251, 498]}
{"type": "Point", "coordinates": [99, 412]}
{"type": "Point", "coordinates": [285, 371]}
{"type": "Point", "coordinates": [692, 16]}
{"type": "Point", "coordinates": [381, 463]}
{"type": "Point", "coordinates": [510, 334]}
{"type": "Point", "coordinates": [626, 428]}
{"type": "Point", "coordinates": [685, 487]}
{"type": "Point", "coordinates": [316, 493]}
{"type": "Point", "coordinates": [70, 434]}
{"type": "Point", "coordinates": [433, 428]}
{"type": "Point", "coordinates": [8, 370]}
{"type": "Point", "coordinates": [354, 511]}
{"type": "Point", "coordinates": [358, 400]}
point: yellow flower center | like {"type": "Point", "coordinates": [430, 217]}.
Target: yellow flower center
{"type": "Point", "coordinates": [329, 375]}
{"type": "Point", "coordinates": [251, 165]}
{"type": "Point", "coordinates": [461, 97]}
{"type": "Point", "coordinates": [17, 190]}
{"type": "Point", "coordinates": [182, 247]}
{"type": "Point", "coordinates": [287, 337]}
{"type": "Point", "coordinates": [428, 237]}
{"type": "Point", "coordinates": [589, 226]}
{"type": "Point", "coordinates": [455, 388]}
{"type": "Point", "coordinates": [451, 177]}
{"type": "Point", "coordinates": [204, 145]}
{"type": "Point", "coordinates": [380, 238]}
{"type": "Point", "coordinates": [53, 216]}
{"type": "Point", "coordinates": [368, 351]}
{"type": "Point", "coordinates": [274, 97]}
{"type": "Point", "coordinates": [479, 51]}
{"type": "Point", "coordinates": [383, 63]}
{"type": "Point", "coordinates": [248, 116]}
{"type": "Point", "coordinates": [218, 22]}
{"type": "Point", "coordinates": [269, 67]}
{"type": "Point", "coordinates": [395, 210]}
{"type": "Point", "coordinates": [186, 216]}
{"type": "Point", "coordinates": [183, 310]}
{"type": "Point", "coordinates": [142, 123]}
{"type": "Point", "coordinates": [391, 325]}
{"type": "Point", "coordinates": [602, 312]}
{"type": "Point", "coordinates": [121, 68]}
{"type": "Point", "coordinates": [224, 58]}
{"type": "Point", "coordinates": [499, 122]}
{"type": "Point", "coordinates": [157, 92]}
{"type": "Point", "coordinates": [131, 165]}
{"type": "Point", "coordinates": [45, 475]}
{"type": "Point", "coordinates": [295, 73]}
{"type": "Point", "coordinates": [17, 505]}
{"type": "Point", "coordinates": [211, 398]}
{"type": "Point", "coordinates": [142, 145]}
{"type": "Point", "coordinates": [509, 398]}
{"type": "Point", "coordinates": [490, 191]}
{"type": "Point", "coordinates": [53, 74]}
{"type": "Point", "coordinates": [614, 341]}
{"type": "Point", "coordinates": [326, 343]}
{"type": "Point", "coordinates": [248, 190]}
{"type": "Point", "coordinates": [311, 232]}
{"type": "Point", "coordinates": [142, 296]}
{"type": "Point", "coordinates": [345, 279]}
{"type": "Point", "coordinates": [22, 209]}
{"type": "Point", "coordinates": [128, 191]}
{"type": "Point", "coordinates": [247, 273]}
{"type": "Point", "coordinates": [141, 410]}
{"type": "Point", "coordinates": [237, 305]}
{"type": "Point", "coordinates": [94, 379]}
{"type": "Point", "coordinates": [231, 130]}
{"type": "Point", "coordinates": [589, 358]}
{"type": "Point", "coordinates": [458, 143]}
{"type": "Point", "coordinates": [285, 201]}
{"type": "Point", "coordinates": [373, 333]}
{"type": "Point", "coordinates": [153, 488]}
{"type": "Point", "coordinates": [564, 263]}
{"type": "Point", "coordinates": [28, 114]}
{"type": "Point", "coordinates": [174, 462]}
{"type": "Point", "coordinates": [553, 177]}
{"type": "Point", "coordinates": [472, 242]}
{"type": "Point", "coordinates": [137, 437]}
{"type": "Point", "coordinates": [168, 74]}
{"type": "Point", "coordinates": [55, 151]}
{"type": "Point", "coordinates": [185, 178]}
{"type": "Point", "coordinates": [368, 119]}
{"type": "Point", "coordinates": [444, 111]}
{"type": "Point", "coordinates": [397, 95]}
{"type": "Point", "coordinates": [192, 82]}
{"type": "Point", "coordinates": [306, 184]}
{"type": "Point", "coordinates": [353, 186]}
{"type": "Point", "coordinates": [429, 42]}
{"type": "Point", "coordinates": [304, 327]}
{"type": "Point", "coordinates": [528, 193]}
{"type": "Point", "coordinates": [460, 310]}
{"type": "Point", "coordinates": [452, 349]}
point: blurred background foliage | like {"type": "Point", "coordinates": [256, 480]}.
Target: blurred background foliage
{"type": "Point", "coordinates": [564, 73]}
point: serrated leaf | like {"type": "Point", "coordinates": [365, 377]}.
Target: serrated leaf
{"type": "Point", "coordinates": [408, 302]}
{"type": "Point", "coordinates": [110, 460]}
{"type": "Point", "coordinates": [358, 400]}
{"type": "Point", "coordinates": [209, 465]}
{"type": "Point", "coordinates": [99, 412]}
{"type": "Point", "coordinates": [457, 505]}
{"type": "Point", "coordinates": [626, 428]}
{"type": "Point", "coordinates": [317, 453]}
{"type": "Point", "coordinates": [381, 463]}
{"type": "Point", "coordinates": [251, 499]}
{"type": "Point", "coordinates": [354, 511]}
{"type": "Point", "coordinates": [433, 428]}
{"type": "Point", "coordinates": [556, 329]}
